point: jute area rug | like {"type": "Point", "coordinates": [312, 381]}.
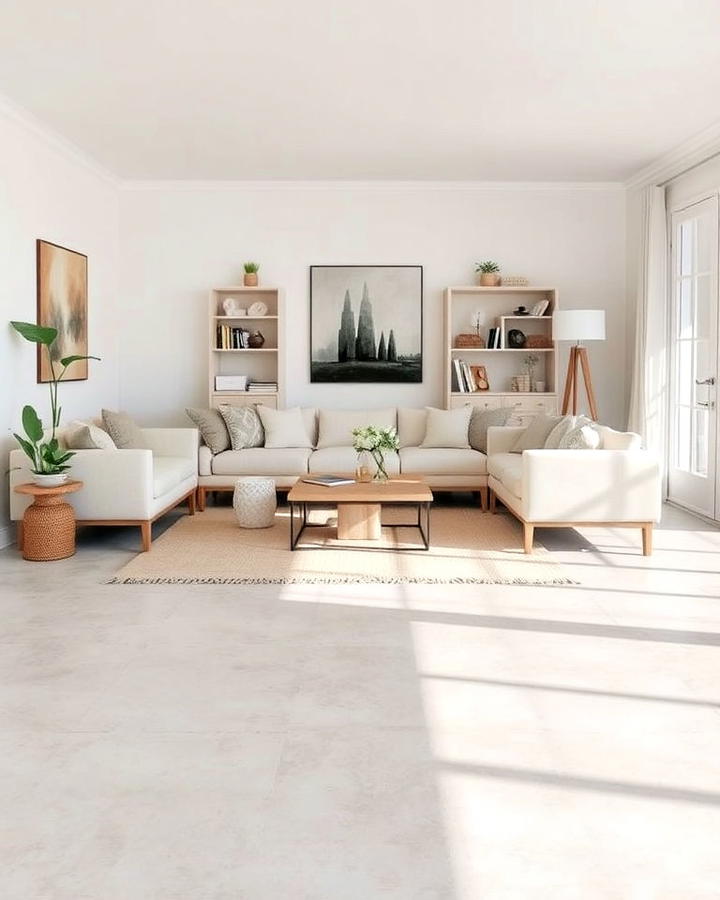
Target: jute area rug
{"type": "Point", "coordinates": [467, 547]}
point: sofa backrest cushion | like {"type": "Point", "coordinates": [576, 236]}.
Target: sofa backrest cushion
{"type": "Point", "coordinates": [618, 440]}
{"type": "Point", "coordinates": [536, 433]}
{"type": "Point", "coordinates": [284, 428]}
{"type": "Point", "coordinates": [309, 414]}
{"type": "Point", "coordinates": [411, 426]}
{"type": "Point", "coordinates": [335, 426]}
{"type": "Point", "coordinates": [447, 428]}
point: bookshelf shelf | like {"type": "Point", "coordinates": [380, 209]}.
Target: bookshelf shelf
{"type": "Point", "coordinates": [493, 308]}
{"type": "Point", "coordinates": [259, 364]}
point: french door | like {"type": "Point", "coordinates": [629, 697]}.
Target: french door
{"type": "Point", "coordinates": [693, 465]}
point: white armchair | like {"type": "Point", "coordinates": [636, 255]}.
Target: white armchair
{"type": "Point", "coordinates": [618, 485]}
{"type": "Point", "coordinates": [124, 487]}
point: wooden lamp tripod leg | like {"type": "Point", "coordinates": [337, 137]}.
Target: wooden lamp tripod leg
{"type": "Point", "coordinates": [585, 364]}
{"type": "Point", "coordinates": [570, 383]}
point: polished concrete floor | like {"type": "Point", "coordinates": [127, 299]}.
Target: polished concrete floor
{"type": "Point", "coordinates": [359, 742]}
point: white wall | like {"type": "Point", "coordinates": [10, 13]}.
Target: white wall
{"type": "Point", "coordinates": [46, 193]}
{"type": "Point", "coordinates": [180, 240]}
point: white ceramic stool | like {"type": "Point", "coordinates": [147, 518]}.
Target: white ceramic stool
{"type": "Point", "coordinates": [255, 502]}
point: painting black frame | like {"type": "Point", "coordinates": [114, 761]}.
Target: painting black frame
{"type": "Point", "coordinates": [313, 380]}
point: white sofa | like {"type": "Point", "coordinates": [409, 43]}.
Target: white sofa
{"type": "Point", "coordinates": [124, 487]}
{"type": "Point", "coordinates": [330, 433]}
{"type": "Point", "coordinates": [618, 484]}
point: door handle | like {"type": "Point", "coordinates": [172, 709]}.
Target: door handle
{"type": "Point", "coordinates": [710, 380]}
{"type": "Point", "coordinates": [709, 405]}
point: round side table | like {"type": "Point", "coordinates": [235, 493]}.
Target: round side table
{"type": "Point", "coordinates": [255, 501]}
{"type": "Point", "coordinates": [48, 529]}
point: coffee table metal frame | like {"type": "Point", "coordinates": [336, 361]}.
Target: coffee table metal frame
{"type": "Point", "coordinates": [302, 515]}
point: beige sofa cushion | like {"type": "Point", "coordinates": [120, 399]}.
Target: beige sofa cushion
{"type": "Point", "coordinates": [86, 436]}
{"type": "Point", "coordinates": [343, 460]}
{"type": "Point", "coordinates": [335, 426]}
{"type": "Point", "coordinates": [169, 471]}
{"type": "Point", "coordinates": [125, 432]}
{"type": "Point", "coordinates": [309, 414]}
{"type": "Point", "coordinates": [284, 428]}
{"type": "Point", "coordinates": [411, 426]}
{"type": "Point", "coordinates": [212, 428]}
{"type": "Point", "coordinates": [441, 461]}
{"type": "Point", "coordinates": [262, 461]}
{"type": "Point", "coordinates": [618, 440]}
{"type": "Point", "coordinates": [507, 468]}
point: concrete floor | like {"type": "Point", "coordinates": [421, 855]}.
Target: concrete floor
{"type": "Point", "coordinates": [360, 742]}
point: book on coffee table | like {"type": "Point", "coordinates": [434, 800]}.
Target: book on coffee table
{"type": "Point", "coordinates": [328, 480]}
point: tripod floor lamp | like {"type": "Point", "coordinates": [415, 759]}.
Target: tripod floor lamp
{"type": "Point", "coordinates": [579, 325]}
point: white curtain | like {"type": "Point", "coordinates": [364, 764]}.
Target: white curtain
{"type": "Point", "coordinates": [649, 399]}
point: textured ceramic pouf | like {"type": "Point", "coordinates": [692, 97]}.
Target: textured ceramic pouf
{"type": "Point", "coordinates": [255, 502]}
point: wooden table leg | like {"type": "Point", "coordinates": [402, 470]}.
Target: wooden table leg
{"type": "Point", "coordinates": [359, 521]}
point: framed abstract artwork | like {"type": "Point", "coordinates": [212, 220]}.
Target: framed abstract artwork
{"type": "Point", "coordinates": [366, 324]}
{"type": "Point", "coordinates": [62, 298]}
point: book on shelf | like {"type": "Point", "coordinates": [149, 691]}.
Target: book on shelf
{"type": "Point", "coordinates": [262, 387]}
{"type": "Point", "coordinates": [458, 376]}
{"type": "Point", "coordinates": [230, 337]}
{"type": "Point", "coordinates": [494, 341]}
{"type": "Point", "coordinates": [328, 480]}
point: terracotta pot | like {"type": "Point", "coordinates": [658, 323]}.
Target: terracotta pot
{"type": "Point", "coordinates": [489, 279]}
{"type": "Point", "coordinates": [250, 279]}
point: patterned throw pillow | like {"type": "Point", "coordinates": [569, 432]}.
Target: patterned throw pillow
{"type": "Point", "coordinates": [212, 428]}
{"type": "Point", "coordinates": [244, 425]}
{"type": "Point", "coordinates": [583, 437]}
{"type": "Point", "coordinates": [481, 420]}
{"type": "Point", "coordinates": [126, 434]}
{"type": "Point", "coordinates": [563, 428]}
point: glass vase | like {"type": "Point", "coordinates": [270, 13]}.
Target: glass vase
{"type": "Point", "coordinates": [381, 474]}
{"type": "Point", "coordinates": [364, 466]}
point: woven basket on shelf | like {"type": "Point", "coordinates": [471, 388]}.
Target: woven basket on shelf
{"type": "Point", "coordinates": [469, 340]}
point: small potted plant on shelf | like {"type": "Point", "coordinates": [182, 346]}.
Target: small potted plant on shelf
{"type": "Point", "coordinates": [48, 460]}
{"type": "Point", "coordinates": [250, 278]}
{"type": "Point", "coordinates": [489, 273]}
{"type": "Point", "coordinates": [371, 443]}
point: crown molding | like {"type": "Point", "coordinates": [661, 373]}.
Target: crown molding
{"type": "Point", "coordinates": [687, 155]}
{"type": "Point", "coordinates": [52, 138]}
{"type": "Point", "coordinates": [376, 185]}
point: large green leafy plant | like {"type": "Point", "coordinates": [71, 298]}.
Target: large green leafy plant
{"type": "Point", "coordinates": [46, 456]}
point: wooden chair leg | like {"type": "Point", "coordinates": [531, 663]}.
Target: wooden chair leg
{"type": "Point", "coordinates": [493, 502]}
{"type": "Point", "coordinates": [146, 534]}
{"type": "Point", "coordinates": [647, 539]}
{"type": "Point", "coordinates": [484, 499]}
{"type": "Point", "coordinates": [201, 499]}
{"type": "Point", "coordinates": [528, 536]}
{"type": "Point", "coordinates": [191, 504]}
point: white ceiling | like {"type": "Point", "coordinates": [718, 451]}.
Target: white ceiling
{"type": "Point", "coordinates": [396, 89]}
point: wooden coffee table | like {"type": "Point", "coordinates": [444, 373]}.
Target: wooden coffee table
{"type": "Point", "coordinates": [359, 507]}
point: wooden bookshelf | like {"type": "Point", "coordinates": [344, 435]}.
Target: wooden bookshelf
{"type": "Point", "coordinates": [495, 306]}
{"type": "Point", "coordinates": [266, 363]}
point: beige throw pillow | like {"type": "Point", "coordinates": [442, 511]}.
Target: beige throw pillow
{"type": "Point", "coordinates": [411, 426]}
{"type": "Point", "coordinates": [447, 428]}
{"type": "Point", "coordinates": [481, 420]}
{"type": "Point", "coordinates": [86, 436]}
{"type": "Point", "coordinates": [563, 427]}
{"type": "Point", "coordinates": [284, 427]}
{"type": "Point", "coordinates": [243, 425]}
{"type": "Point", "coordinates": [535, 435]}
{"type": "Point", "coordinates": [126, 433]}
{"type": "Point", "coordinates": [212, 428]}
{"type": "Point", "coordinates": [583, 437]}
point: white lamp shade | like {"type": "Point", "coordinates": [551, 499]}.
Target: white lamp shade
{"type": "Point", "coordinates": [579, 325]}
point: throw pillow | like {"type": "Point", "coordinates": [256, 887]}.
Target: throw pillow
{"type": "Point", "coordinates": [126, 434]}
{"type": "Point", "coordinates": [284, 427]}
{"type": "Point", "coordinates": [84, 436]}
{"type": "Point", "coordinates": [212, 428]}
{"type": "Point", "coordinates": [563, 427]}
{"type": "Point", "coordinates": [447, 427]}
{"type": "Point", "coordinates": [244, 426]}
{"type": "Point", "coordinates": [583, 437]}
{"type": "Point", "coordinates": [411, 426]}
{"type": "Point", "coordinates": [481, 420]}
{"type": "Point", "coordinates": [535, 435]}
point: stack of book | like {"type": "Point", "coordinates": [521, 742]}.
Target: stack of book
{"type": "Point", "coordinates": [464, 378]}
{"type": "Point", "coordinates": [262, 387]}
{"type": "Point", "coordinates": [232, 338]}
{"type": "Point", "coordinates": [494, 341]}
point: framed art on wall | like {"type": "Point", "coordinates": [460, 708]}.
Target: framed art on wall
{"type": "Point", "coordinates": [62, 298]}
{"type": "Point", "coordinates": [366, 324]}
